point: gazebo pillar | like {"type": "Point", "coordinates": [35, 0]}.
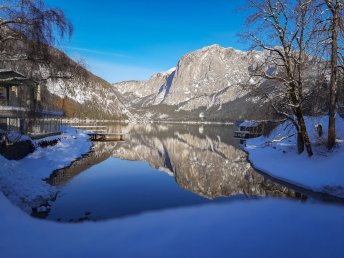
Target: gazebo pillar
{"type": "Point", "coordinates": [8, 95]}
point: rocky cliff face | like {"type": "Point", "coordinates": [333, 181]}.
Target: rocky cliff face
{"type": "Point", "coordinates": [208, 84]}
{"type": "Point", "coordinates": [146, 93]}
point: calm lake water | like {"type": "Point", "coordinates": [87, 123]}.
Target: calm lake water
{"type": "Point", "coordinates": [159, 167]}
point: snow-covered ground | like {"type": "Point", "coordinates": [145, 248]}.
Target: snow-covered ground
{"type": "Point", "coordinates": [321, 173]}
{"type": "Point", "coordinates": [240, 228]}
{"type": "Point", "coordinates": [22, 181]}
{"type": "Point", "coordinates": [256, 228]}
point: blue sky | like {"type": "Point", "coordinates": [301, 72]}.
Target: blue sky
{"type": "Point", "coordinates": [132, 39]}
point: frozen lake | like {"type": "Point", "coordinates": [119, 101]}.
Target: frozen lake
{"type": "Point", "coordinates": [160, 167]}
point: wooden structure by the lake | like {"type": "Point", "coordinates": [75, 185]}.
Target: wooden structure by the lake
{"type": "Point", "coordinates": [101, 133]}
{"type": "Point", "coordinates": [253, 129]}
{"type": "Point", "coordinates": [106, 136]}
{"type": "Point", "coordinates": [20, 107]}
{"type": "Point", "coordinates": [245, 134]}
{"type": "Point", "coordinates": [18, 91]}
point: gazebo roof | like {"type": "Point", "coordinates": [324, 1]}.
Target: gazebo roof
{"type": "Point", "coordinates": [12, 78]}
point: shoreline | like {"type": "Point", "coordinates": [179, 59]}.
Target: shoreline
{"type": "Point", "coordinates": [23, 182]}
{"type": "Point", "coordinates": [73, 146]}
{"type": "Point", "coordinates": [318, 195]}
{"type": "Point", "coordinates": [72, 121]}
{"type": "Point", "coordinates": [319, 174]}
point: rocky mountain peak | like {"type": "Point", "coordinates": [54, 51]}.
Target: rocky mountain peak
{"type": "Point", "coordinates": [204, 80]}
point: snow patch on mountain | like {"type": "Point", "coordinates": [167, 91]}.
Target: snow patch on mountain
{"type": "Point", "coordinates": [210, 78]}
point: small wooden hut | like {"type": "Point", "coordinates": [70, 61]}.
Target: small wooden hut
{"type": "Point", "coordinates": [252, 129]}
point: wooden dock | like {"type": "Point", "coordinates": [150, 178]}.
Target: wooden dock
{"type": "Point", "coordinates": [90, 127]}
{"type": "Point", "coordinates": [100, 133]}
{"type": "Point", "coordinates": [106, 137]}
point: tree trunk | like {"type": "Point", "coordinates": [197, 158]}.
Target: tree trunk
{"type": "Point", "coordinates": [63, 104]}
{"type": "Point", "coordinates": [331, 141]}
{"type": "Point", "coordinates": [302, 134]}
{"type": "Point", "coordinates": [303, 137]}
{"type": "Point", "coordinates": [300, 143]}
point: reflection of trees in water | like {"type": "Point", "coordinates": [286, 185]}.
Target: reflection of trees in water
{"type": "Point", "coordinates": [100, 152]}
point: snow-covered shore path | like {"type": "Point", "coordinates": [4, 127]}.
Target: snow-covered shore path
{"type": "Point", "coordinates": [324, 172]}
{"type": "Point", "coordinates": [254, 228]}
{"type": "Point", "coordinates": [22, 181]}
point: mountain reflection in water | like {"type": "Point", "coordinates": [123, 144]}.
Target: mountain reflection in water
{"type": "Point", "coordinates": [205, 160]}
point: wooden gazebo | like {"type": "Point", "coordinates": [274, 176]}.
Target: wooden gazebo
{"type": "Point", "coordinates": [20, 107]}
{"type": "Point", "coordinates": [24, 89]}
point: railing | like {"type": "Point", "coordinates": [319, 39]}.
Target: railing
{"type": "Point", "coordinates": [51, 113]}
{"type": "Point", "coordinates": [12, 108]}
{"type": "Point", "coordinates": [31, 126]}
{"type": "Point", "coordinates": [13, 111]}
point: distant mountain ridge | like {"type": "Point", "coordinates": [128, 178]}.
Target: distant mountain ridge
{"type": "Point", "coordinates": [208, 84]}
{"type": "Point", "coordinates": [82, 95]}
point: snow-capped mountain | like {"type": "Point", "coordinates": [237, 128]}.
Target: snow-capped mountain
{"type": "Point", "coordinates": [209, 84]}
{"type": "Point", "coordinates": [146, 93]}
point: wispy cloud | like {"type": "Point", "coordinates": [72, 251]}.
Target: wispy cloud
{"type": "Point", "coordinates": [94, 51]}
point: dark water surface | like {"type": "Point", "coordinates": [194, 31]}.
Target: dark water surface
{"type": "Point", "coordinates": [159, 167]}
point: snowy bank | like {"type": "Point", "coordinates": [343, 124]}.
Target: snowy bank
{"type": "Point", "coordinates": [321, 173]}
{"type": "Point", "coordinates": [255, 228]}
{"type": "Point", "coordinates": [22, 181]}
